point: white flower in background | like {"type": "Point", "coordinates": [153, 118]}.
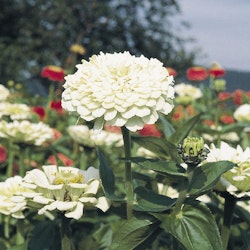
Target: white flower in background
{"type": "Point", "coordinates": [242, 113]}
{"type": "Point", "coordinates": [120, 89]}
{"type": "Point", "coordinates": [16, 111]}
{"type": "Point", "coordinates": [229, 136]}
{"type": "Point", "coordinates": [66, 189]}
{"type": "Point", "coordinates": [4, 93]}
{"type": "Point", "coordinates": [143, 152]}
{"type": "Point", "coordinates": [91, 138]}
{"type": "Point", "coordinates": [11, 200]}
{"type": "Point", "coordinates": [186, 93]}
{"type": "Point", "coordinates": [237, 180]}
{"type": "Point", "coordinates": [26, 132]}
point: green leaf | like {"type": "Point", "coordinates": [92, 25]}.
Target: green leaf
{"type": "Point", "coordinates": [207, 175]}
{"type": "Point", "coordinates": [151, 201]}
{"type": "Point", "coordinates": [167, 127]}
{"type": "Point", "coordinates": [104, 237]}
{"type": "Point", "coordinates": [107, 177]}
{"type": "Point", "coordinates": [159, 146]}
{"type": "Point", "coordinates": [131, 233]}
{"type": "Point", "coordinates": [167, 168]}
{"type": "Point", "coordinates": [194, 227]}
{"type": "Point", "coordinates": [43, 235]}
{"type": "Point", "coordinates": [19, 247]}
{"type": "Point", "coordinates": [182, 132]}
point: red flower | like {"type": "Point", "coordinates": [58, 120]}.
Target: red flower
{"type": "Point", "coordinates": [209, 122]}
{"type": "Point", "coordinates": [224, 96]}
{"type": "Point", "coordinates": [3, 154]}
{"type": "Point", "coordinates": [238, 97]}
{"type": "Point", "coordinates": [63, 158]}
{"type": "Point", "coordinates": [40, 111]}
{"type": "Point", "coordinates": [227, 119]}
{"type": "Point", "coordinates": [216, 71]}
{"type": "Point", "coordinates": [57, 106]}
{"type": "Point", "coordinates": [57, 134]}
{"type": "Point", "coordinates": [113, 129]}
{"type": "Point", "coordinates": [197, 74]}
{"type": "Point", "coordinates": [171, 71]}
{"type": "Point", "coordinates": [53, 73]}
{"type": "Point", "coordinates": [150, 130]}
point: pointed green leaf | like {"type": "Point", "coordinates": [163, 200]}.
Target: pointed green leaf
{"type": "Point", "coordinates": [181, 133]}
{"type": "Point", "coordinates": [131, 233]}
{"type": "Point", "coordinates": [151, 201]}
{"type": "Point", "coordinates": [107, 178]}
{"type": "Point", "coordinates": [159, 146]}
{"type": "Point", "coordinates": [194, 227]}
{"type": "Point", "coordinates": [207, 175]}
{"type": "Point", "coordinates": [167, 127]}
{"type": "Point", "coordinates": [168, 168]}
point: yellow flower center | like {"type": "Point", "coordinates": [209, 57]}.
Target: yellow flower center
{"type": "Point", "coordinates": [66, 177]}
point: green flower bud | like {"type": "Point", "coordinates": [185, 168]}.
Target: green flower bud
{"type": "Point", "coordinates": [219, 84]}
{"type": "Point", "coordinates": [192, 150]}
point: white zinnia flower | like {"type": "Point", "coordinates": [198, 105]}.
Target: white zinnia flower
{"type": "Point", "coordinates": [242, 113]}
{"type": "Point", "coordinates": [26, 132]}
{"type": "Point", "coordinates": [237, 180]}
{"type": "Point", "coordinates": [66, 189]}
{"type": "Point", "coordinates": [89, 137]}
{"type": "Point", "coordinates": [120, 89]}
{"type": "Point", "coordinates": [4, 93]}
{"type": "Point", "coordinates": [186, 93]}
{"type": "Point", "coordinates": [16, 111]}
{"type": "Point", "coordinates": [11, 200]}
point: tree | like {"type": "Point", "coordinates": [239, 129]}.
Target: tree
{"type": "Point", "coordinates": [35, 33]}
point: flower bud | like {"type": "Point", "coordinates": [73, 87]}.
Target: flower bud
{"type": "Point", "coordinates": [192, 150]}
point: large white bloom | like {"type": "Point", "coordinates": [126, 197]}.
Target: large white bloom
{"type": "Point", "coordinates": [186, 93]}
{"type": "Point", "coordinates": [242, 113]}
{"type": "Point", "coordinates": [26, 132]}
{"type": "Point", "coordinates": [16, 111]}
{"type": "Point", "coordinates": [90, 137]}
{"type": "Point", "coordinates": [119, 88]}
{"type": "Point", "coordinates": [237, 180]}
{"type": "Point", "coordinates": [65, 189]}
{"type": "Point", "coordinates": [11, 200]}
{"type": "Point", "coordinates": [4, 93]}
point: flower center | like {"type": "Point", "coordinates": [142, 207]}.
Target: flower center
{"type": "Point", "coordinates": [66, 177]}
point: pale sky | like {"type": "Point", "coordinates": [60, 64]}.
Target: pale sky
{"type": "Point", "coordinates": [222, 30]}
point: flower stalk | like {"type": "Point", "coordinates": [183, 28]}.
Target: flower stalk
{"type": "Point", "coordinates": [65, 233]}
{"type": "Point", "coordinates": [128, 171]}
{"type": "Point", "coordinates": [229, 207]}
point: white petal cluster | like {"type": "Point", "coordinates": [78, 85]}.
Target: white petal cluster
{"type": "Point", "coordinates": [26, 132]}
{"type": "Point", "coordinates": [237, 180]}
{"type": "Point", "coordinates": [11, 200]}
{"type": "Point", "coordinates": [4, 93]}
{"type": "Point", "coordinates": [120, 89]}
{"type": "Point", "coordinates": [242, 113]}
{"type": "Point", "coordinates": [187, 90]}
{"type": "Point", "coordinates": [16, 111]}
{"type": "Point", "coordinates": [91, 138]}
{"type": "Point", "coordinates": [65, 189]}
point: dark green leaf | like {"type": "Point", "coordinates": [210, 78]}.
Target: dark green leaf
{"type": "Point", "coordinates": [43, 235]}
{"type": "Point", "coordinates": [104, 237]}
{"type": "Point", "coordinates": [107, 177]}
{"type": "Point", "coordinates": [159, 146]}
{"type": "Point", "coordinates": [206, 176]}
{"type": "Point", "coordinates": [131, 233]}
{"type": "Point", "coordinates": [168, 168]}
{"type": "Point", "coordinates": [151, 201]}
{"type": "Point", "coordinates": [181, 133]}
{"type": "Point", "coordinates": [167, 127]}
{"type": "Point", "coordinates": [194, 227]}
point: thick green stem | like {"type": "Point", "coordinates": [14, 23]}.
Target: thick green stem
{"type": "Point", "coordinates": [65, 233]}
{"type": "Point", "coordinates": [11, 158]}
{"type": "Point", "coordinates": [20, 239]}
{"type": "Point", "coordinates": [128, 171]}
{"type": "Point", "coordinates": [229, 207]}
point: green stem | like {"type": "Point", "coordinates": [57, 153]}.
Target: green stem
{"type": "Point", "coordinates": [22, 157]}
{"type": "Point", "coordinates": [128, 171]}
{"type": "Point", "coordinates": [65, 233]}
{"type": "Point", "coordinates": [11, 157]}
{"type": "Point", "coordinates": [20, 232]}
{"type": "Point", "coordinates": [229, 207]}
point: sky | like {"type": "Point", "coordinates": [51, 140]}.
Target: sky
{"type": "Point", "coordinates": [221, 29]}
